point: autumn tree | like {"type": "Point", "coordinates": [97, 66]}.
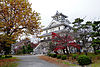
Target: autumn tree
{"type": "Point", "coordinates": [17, 17]}
{"type": "Point", "coordinates": [63, 42]}
{"type": "Point", "coordinates": [5, 43]}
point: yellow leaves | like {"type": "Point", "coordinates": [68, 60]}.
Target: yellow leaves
{"type": "Point", "coordinates": [19, 13]}
{"type": "Point", "coordinates": [6, 39]}
{"type": "Point", "coordinates": [1, 25]}
{"type": "Point", "coordinates": [7, 45]}
{"type": "Point", "coordinates": [23, 13]}
{"type": "Point", "coordinates": [11, 0]}
{"type": "Point", "coordinates": [40, 36]}
{"type": "Point", "coordinates": [11, 42]}
{"type": "Point", "coordinates": [27, 38]}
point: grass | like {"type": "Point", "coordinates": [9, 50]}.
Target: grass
{"type": "Point", "coordinates": [64, 62]}
{"type": "Point", "coordinates": [97, 64]}
{"type": "Point", "coordinates": [8, 62]}
{"type": "Point", "coordinates": [95, 60]}
{"type": "Point", "coordinates": [92, 65]}
{"type": "Point", "coordinates": [70, 64]}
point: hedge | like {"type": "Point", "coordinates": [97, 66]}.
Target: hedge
{"type": "Point", "coordinates": [58, 56]}
{"type": "Point", "coordinates": [74, 56]}
{"type": "Point", "coordinates": [64, 57]}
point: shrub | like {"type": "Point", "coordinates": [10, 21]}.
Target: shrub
{"type": "Point", "coordinates": [53, 55]}
{"type": "Point", "coordinates": [74, 56]}
{"type": "Point", "coordinates": [58, 56]}
{"type": "Point", "coordinates": [98, 51]}
{"type": "Point", "coordinates": [0, 56]}
{"type": "Point", "coordinates": [8, 56]}
{"type": "Point", "coordinates": [49, 54]}
{"type": "Point", "coordinates": [84, 60]}
{"type": "Point", "coordinates": [63, 57]}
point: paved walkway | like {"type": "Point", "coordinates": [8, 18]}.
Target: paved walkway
{"type": "Point", "coordinates": [33, 61]}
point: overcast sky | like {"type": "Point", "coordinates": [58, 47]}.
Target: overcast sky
{"type": "Point", "coordinates": [72, 8]}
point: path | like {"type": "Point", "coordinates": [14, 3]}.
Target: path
{"type": "Point", "coordinates": [33, 61]}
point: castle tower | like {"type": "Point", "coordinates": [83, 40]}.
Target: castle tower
{"type": "Point", "coordinates": [60, 25]}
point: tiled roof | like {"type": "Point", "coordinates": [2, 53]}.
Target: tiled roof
{"type": "Point", "coordinates": [59, 31]}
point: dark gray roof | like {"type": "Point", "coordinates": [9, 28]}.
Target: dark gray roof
{"type": "Point", "coordinates": [58, 14]}
{"type": "Point", "coordinates": [57, 25]}
{"type": "Point", "coordinates": [59, 31]}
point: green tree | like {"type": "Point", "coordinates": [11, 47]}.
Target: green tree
{"type": "Point", "coordinates": [96, 35]}
{"type": "Point", "coordinates": [17, 17]}
{"type": "Point", "coordinates": [77, 29]}
{"type": "Point", "coordinates": [29, 48]}
{"type": "Point", "coordinates": [24, 50]}
{"type": "Point", "coordinates": [82, 31]}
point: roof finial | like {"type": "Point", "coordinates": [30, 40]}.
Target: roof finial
{"type": "Point", "coordinates": [57, 12]}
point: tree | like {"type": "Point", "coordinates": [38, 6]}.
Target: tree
{"type": "Point", "coordinates": [77, 27]}
{"type": "Point", "coordinates": [24, 46]}
{"type": "Point", "coordinates": [82, 32]}
{"type": "Point", "coordinates": [24, 50]}
{"type": "Point", "coordinates": [96, 36]}
{"type": "Point", "coordinates": [63, 42]}
{"type": "Point", "coordinates": [5, 43]}
{"type": "Point", "coordinates": [84, 60]}
{"type": "Point", "coordinates": [29, 48]}
{"type": "Point", "coordinates": [51, 46]}
{"type": "Point", "coordinates": [17, 17]}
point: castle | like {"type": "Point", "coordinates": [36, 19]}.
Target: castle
{"type": "Point", "coordinates": [59, 25]}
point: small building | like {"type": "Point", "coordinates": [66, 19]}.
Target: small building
{"type": "Point", "coordinates": [17, 47]}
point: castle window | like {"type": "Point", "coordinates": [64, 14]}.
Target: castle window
{"type": "Point", "coordinates": [61, 27]}
{"type": "Point", "coordinates": [59, 17]}
{"type": "Point", "coordinates": [44, 38]}
{"type": "Point", "coordinates": [56, 29]}
{"type": "Point", "coordinates": [49, 30]}
{"type": "Point", "coordinates": [48, 37]}
{"type": "Point", "coordinates": [62, 18]}
{"type": "Point", "coordinates": [46, 31]}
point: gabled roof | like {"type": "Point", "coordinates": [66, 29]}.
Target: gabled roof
{"type": "Point", "coordinates": [59, 31]}
{"type": "Point", "coordinates": [58, 14]}
{"type": "Point", "coordinates": [54, 24]}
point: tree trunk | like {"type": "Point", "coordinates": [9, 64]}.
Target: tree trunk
{"type": "Point", "coordinates": [56, 52]}
{"type": "Point", "coordinates": [83, 66]}
{"type": "Point", "coordinates": [7, 50]}
{"type": "Point", "coordinates": [67, 50]}
{"type": "Point", "coordinates": [94, 50]}
{"type": "Point", "coordinates": [63, 51]}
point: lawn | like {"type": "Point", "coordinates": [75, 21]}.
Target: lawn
{"type": "Point", "coordinates": [8, 62]}
{"type": "Point", "coordinates": [70, 64]}
{"type": "Point", "coordinates": [97, 64]}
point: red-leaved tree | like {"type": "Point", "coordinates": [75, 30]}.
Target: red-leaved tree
{"type": "Point", "coordinates": [63, 42]}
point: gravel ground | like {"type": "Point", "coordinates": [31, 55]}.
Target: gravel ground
{"type": "Point", "coordinates": [33, 61]}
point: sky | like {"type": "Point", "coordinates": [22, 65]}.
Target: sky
{"type": "Point", "coordinates": [90, 9]}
